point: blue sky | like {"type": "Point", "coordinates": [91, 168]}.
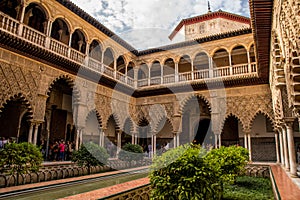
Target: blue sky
{"type": "Point", "coordinates": [147, 23]}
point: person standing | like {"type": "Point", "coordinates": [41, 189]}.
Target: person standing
{"type": "Point", "coordinates": [62, 150]}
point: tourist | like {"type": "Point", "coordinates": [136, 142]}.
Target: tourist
{"type": "Point", "coordinates": [61, 150]}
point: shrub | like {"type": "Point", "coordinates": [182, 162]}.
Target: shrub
{"type": "Point", "coordinates": [90, 154]}
{"type": "Point", "coordinates": [229, 162]}
{"type": "Point", "coordinates": [20, 158]}
{"type": "Point", "coordinates": [182, 173]}
{"type": "Point", "coordinates": [131, 152]}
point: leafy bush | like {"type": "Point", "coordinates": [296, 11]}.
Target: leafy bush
{"type": "Point", "coordinates": [131, 152]}
{"type": "Point", "coordinates": [90, 154]}
{"type": "Point", "coordinates": [229, 162]}
{"type": "Point", "coordinates": [182, 173]}
{"type": "Point", "coordinates": [20, 158]}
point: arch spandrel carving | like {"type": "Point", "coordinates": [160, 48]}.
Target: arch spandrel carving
{"type": "Point", "coordinates": [16, 79]}
{"type": "Point", "coordinates": [246, 107]}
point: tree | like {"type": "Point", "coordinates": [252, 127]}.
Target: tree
{"type": "Point", "coordinates": [90, 154]}
{"type": "Point", "coordinates": [182, 173]}
{"type": "Point", "coordinates": [20, 158]}
{"type": "Point", "coordinates": [131, 152]}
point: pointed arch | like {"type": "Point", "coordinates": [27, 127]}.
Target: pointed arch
{"type": "Point", "coordinates": [96, 114]}
{"type": "Point", "coordinates": [70, 82]}
{"type": "Point", "coordinates": [200, 96]}
{"type": "Point", "coordinates": [15, 116]}
{"type": "Point", "coordinates": [231, 130]}
{"type": "Point", "coordinates": [266, 115]}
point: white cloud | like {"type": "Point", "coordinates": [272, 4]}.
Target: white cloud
{"type": "Point", "coordinates": [132, 19]}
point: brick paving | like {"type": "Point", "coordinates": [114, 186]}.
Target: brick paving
{"type": "Point", "coordinates": [287, 188]}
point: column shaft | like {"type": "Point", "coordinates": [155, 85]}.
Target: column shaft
{"type": "Point", "coordinates": [285, 150]}
{"type": "Point", "coordinates": [277, 149]}
{"type": "Point", "coordinates": [249, 147]}
{"type": "Point", "coordinates": [291, 149]}
{"type": "Point", "coordinates": [30, 133]}
{"type": "Point", "coordinates": [245, 141]}
{"type": "Point", "coordinates": [281, 148]}
{"type": "Point", "coordinates": [36, 128]}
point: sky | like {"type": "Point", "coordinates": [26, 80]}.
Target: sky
{"type": "Point", "coordinates": [148, 23]}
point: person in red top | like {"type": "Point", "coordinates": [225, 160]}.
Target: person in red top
{"type": "Point", "coordinates": [62, 150]}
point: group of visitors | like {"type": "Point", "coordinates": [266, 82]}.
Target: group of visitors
{"type": "Point", "coordinates": [58, 150]}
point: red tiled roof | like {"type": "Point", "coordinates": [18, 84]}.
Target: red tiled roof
{"type": "Point", "coordinates": [208, 16]}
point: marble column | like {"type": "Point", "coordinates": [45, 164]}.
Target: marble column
{"type": "Point", "coordinates": [281, 148]}
{"type": "Point", "coordinates": [77, 139]}
{"type": "Point", "coordinates": [277, 149]}
{"type": "Point", "coordinates": [291, 148]}
{"type": "Point", "coordinates": [245, 141]}
{"type": "Point", "coordinates": [285, 149]}
{"type": "Point", "coordinates": [249, 146]}
{"type": "Point", "coordinates": [119, 141]}
{"type": "Point", "coordinates": [36, 129]}
{"type": "Point", "coordinates": [30, 132]}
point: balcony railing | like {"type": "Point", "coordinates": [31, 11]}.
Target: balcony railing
{"type": "Point", "coordinates": [24, 32]}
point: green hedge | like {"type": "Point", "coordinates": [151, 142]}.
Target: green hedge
{"type": "Point", "coordinates": [189, 172]}
{"type": "Point", "coordinates": [90, 154]}
{"type": "Point", "coordinates": [131, 152]}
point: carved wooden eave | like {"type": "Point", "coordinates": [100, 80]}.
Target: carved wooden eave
{"type": "Point", "coordinates": [261, 18]}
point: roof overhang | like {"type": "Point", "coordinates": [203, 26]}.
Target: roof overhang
{"type": "Point", "coordinates": [261, 19]}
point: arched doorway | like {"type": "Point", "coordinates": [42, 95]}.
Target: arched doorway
{"type": "Point", "coordinates": [15, 119]}
{"type": "Point", "coordinates": [231, 131]}
{"type": "Point", "coordinates": [126, 134]}
{"type": "Point", "coordinates": [203, 133]}
{"type": "Point", "coordinates": [262, 139]}
{"type": "Point", "coordinates": [92, 128]}
{"type": "Point", "coordinates": [59, 112]}
{"type": "Point", "coordinates": [111, 137]}
{"type": "Point", "coordinates": [195, 121]}
{"type": "Point", "coordinates": [164, 136]}
{"type": "Point", "coordinates": [144, 137]}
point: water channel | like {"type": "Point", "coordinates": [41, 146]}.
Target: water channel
{"type": "Point", "coordinates": [77, 187]}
